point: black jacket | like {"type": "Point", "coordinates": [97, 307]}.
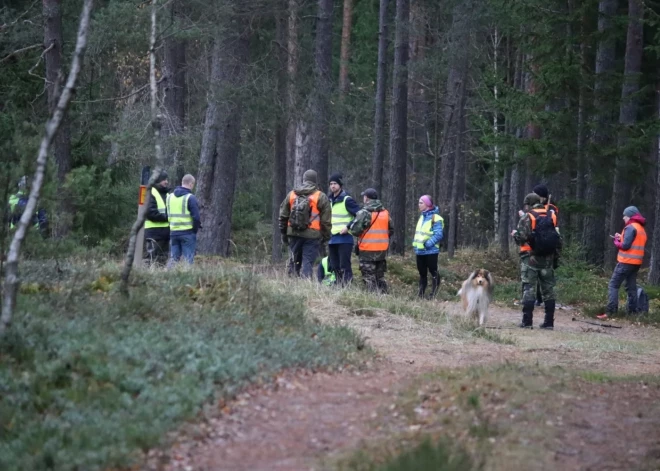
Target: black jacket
{"type": "Point", "coordinates": [154, 216]}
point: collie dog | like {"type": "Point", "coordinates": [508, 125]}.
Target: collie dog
{"type": "Point", "coordinates": [476, 293]}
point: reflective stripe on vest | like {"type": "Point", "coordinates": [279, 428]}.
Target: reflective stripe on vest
{"type": "Point", "coordinates": [161, 209]}
{"type": "Point", "coordinates": [340, 216]}
{"type": "Point", "coordinates": [635, 254]}
{"type": "Point", "coordinates": [178, 213]}
{"type": "Point", "coordinates": [541, 212]}
{"type": "Point", "coordinates": [315, 217]}
{"type": "Point", "coordinates": [424, 231]}
{"type": "Point", "coordinates": [328, 277]}
{"type": "Point", "coordinates": [377, 238]}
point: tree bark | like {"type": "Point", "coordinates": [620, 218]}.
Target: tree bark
{"type": "Point", "coordinates": [345, 52]}
{"type": "Point", "coordinates": [627, 119]}
{"type": "Point", "coordinates": [52, 10]}
{"type": "Point", "coordinates": [418, 105]}
{"type": "Point", "coordinates": [292, 73]}
{"type": "Point", "coordinates": [654, 268]}
{"type": "Point", "coordinates": [503, 227]}
{"type": "Point", "coordinates": [12, 281]}
{"type": "Point", "coordinates": [453, 204]}
{"type": "Point", "coordinates": [399, 128]}
{"type": "Point", "coordinates": [230, 59]}
{"type": "Point", "coordinates": [593, 238]}
{"type": "Point", "coordinates": [580, 185]}
{"type": "Point", "coordinates": [381, 87]}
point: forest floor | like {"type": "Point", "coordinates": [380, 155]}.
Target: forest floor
{"type": "Point", "coordinates": [579, 397]}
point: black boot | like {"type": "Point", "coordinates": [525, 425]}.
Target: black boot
{"type": "Point", "coordinates": [434, 286]}
{"type": "Point", "coordinates": [549, 321]}
{"type": "Point", "coordinates": [528, 313]}
{"type": "Point", "coordinates": [422, 288]}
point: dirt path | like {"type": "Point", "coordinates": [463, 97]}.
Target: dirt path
{"type": "Point", "coordinates": [301, 418]}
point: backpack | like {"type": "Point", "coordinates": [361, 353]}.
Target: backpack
{"type": "Point", "coordinates": [545, 239]}
{"type": "Point", "coordinates": [301, 213]}
{"type": "Point", "coordinates": [642, 300]}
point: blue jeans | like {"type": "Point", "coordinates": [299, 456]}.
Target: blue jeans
{"type": "Point", "coordinates": [182, 245]}
{"type": "Point", "coordinates": [628, 273]}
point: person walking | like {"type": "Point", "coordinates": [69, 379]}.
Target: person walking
{"type": "Point", "coordinates": [156, 225]}
{"type": "Point", "coordinates": [428, 235]}
{"type": "Point", "coordinates": [631, 245]}
{"type": "Point", "coordinates": [373, 227]}
{"type": "Point", "coordinates": [537, 254]}
{"type": "Point", "coordinates": [340, 246]}
{"type": "Point", "coordinates": [305, 223]}
{"type": "Point", "coordinates": [184, 221]}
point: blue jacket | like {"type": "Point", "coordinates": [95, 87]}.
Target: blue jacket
{"type": "Point", "coordinates": [436, 238]}
{"type": "Point", "coordinates": [352, 207]}
{"type": "Point", "coordinates": [194, 212]}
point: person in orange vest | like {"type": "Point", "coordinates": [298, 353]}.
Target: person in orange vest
{"type": "Point", "coordinates": [373, 228]}
{"type": "Point", "coordinates": [545, 195]}
{"type": "Point", "coordinates": [629, 260]}
{"type": "Point", "coordinates": [305, 223]}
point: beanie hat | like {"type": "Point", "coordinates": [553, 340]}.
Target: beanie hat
{"type": "Point", "coordinates": [370, 193]}
{"type": "Point", "coordinates": [162, 177]}
{"type": "Point", "coordinates": [532, 199]}
{"type": "Point", "coordinates": [337, 178]}
{"type": "Point", "coordinates": [541, 190]}
{"type": "Point", "coordinates": [310, 176]}
{"type": "Point", "coordinates": [630, 211]}
{"type": "Point", "coordinates": [427, 201]}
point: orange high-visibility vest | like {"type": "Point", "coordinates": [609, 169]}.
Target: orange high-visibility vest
{"type": "Point", "coordinates": [315, 217]}
{"type": "Point", "coordinates": [635, 254]}
{"type": "Point", "coordinates": [540, 212]}
{"type": "Point", "coordinates": [377, 238]}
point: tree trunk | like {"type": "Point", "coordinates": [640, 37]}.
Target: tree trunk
{"type": "Point", "coordinates": [496, 150]}
{"type": "Point", "coordinates": [381, 87]}
{"type": "Point", "coordinates": [580, 184]}
{"type": "Point", "coordinates": [503, 227]}
{"type": "Point", "coordinates": [593, 238]}
{"type": "Point", "coordinates": [52, 10]}
{"type": "Point", "coordinates": [459, 156]}
{"type": "Point", "coordinates": [654, 268]}
{"type": "Point", "coordinates": [516, 191]}
{"type": "Point", "coordinates": [399, 128]}
{"type": "Point", "coordinates": [292, 73]}
{"type": "Point", "coordinates": [230, 58]}
{"type": "Point", "coordinates": [627, 118]}
{"type": "Point", "coordinates": [174, 90]}
{"type": "Point", "coordinates": [345, 53]}
{"type": "Point", "coordinates": [418, 106]}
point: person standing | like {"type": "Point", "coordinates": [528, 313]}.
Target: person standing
{"type": "Point", "coordinates": [340, 246]}
{"type": "Point", "coordinates": [631, 245]}
{"type": "Point", "coordinates": [426, 243]}
{"type": "Point", "coordinates": [156, 225]}
{"type": "Point", "coordinates": [544, 194]}
{"type": "Point", "coordinates": [373, 227]}
{"type": "Point", "coordinates": [184, 221]}
{"type": "Point", "coordinates": [305, 223]}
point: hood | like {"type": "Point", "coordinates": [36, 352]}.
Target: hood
{"type": "Point", "coordinates": [374, 205]}
{"type": "Point", "coordinates": [306, 188]}
{"type": "Point", "coordinates": [638, 218]}
{"type": "Point", "coordinates": [180, 191]}
{"type": "Point", "coordinates": [430, 212]}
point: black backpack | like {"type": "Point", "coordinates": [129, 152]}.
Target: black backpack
{"type": "Point", "coordinates": [545, 238]}
{"type": "Point", "coordinates": [301, 213]}
{"type": "Point", "coordinates": [642, 300]}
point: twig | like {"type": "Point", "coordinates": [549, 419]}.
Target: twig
{"type": "Point", "coordinates": [18, 51]}
{"type": "Point", "coordinates": [598, 324]}
{"type": "Point", "coordinates": [117, 98]}
{"type": "Point", "coordinates": [52, 45]}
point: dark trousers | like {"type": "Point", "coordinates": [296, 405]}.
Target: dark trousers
{"type": "Point", "coordinates": [339, 261]}
{"type": "Point", "coordinates": [426, 264]}
{"type": "Point", "coordinates": [628, 273]}
{"type": "Point", "coordinates": [302, 255]}
{"type": "Point", "coordinates": [156, 250]}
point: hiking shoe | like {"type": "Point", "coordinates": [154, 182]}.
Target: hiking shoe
{"type": "Point", "coordinates": [602, 316]}
{"type": "Point", "coordinates": [546, 326]}
{"type": "Point", "coordinates": [526, 326]}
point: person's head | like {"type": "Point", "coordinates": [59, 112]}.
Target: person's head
{"type": "Point", "coordinates": [542, 191]}
{"type": "Point", "coordinates": [369, 194]}
{"type": "Point", "coordinates": [425, 203]}
{"type": "Point", "coordinates": [629, 212]}
{"type": "Point", "coordinates": [531, 200]}
{"type": "Point", "coordinates": [22, 183]}
{"type": "Point", "coordinates": [335, 183]}
{"type": "Point", "coordinates": [310, 177]}
{"type": "Point", "coordinates": [162, 180]}
{"type": "Point", "coordinates": [188, 181]}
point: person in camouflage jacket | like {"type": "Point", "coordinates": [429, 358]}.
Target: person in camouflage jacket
{"type": "Point", "coordinates": [534, 268]}
{"type": "Point", "coordinates": [373, 263]}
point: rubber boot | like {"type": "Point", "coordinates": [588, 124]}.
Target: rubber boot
{"type": "Point", "coordinates": [434, 286]}
{"type": "Point", "coordinates": [549, 321]}
{"type": "Point", "coordinates": [422, 289]}
{"type": "Point", "coordinates": [528, 314]}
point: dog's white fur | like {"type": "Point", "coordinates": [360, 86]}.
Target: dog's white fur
{"type": "Point", "coordinates": [476, 294]}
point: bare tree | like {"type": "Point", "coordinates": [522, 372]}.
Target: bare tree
{"type": "Point", "coordinates": [458, 156]}
{"type": "Point", "coordinates": [279, 151]}
{"type": "Point", "coordinates": [292, 72]}
{"type": "Point", "coordinates": [345, 52]}
{"type": "Point", "coordinates": [399, 127]}
{"type": "Point", "coordinates": [654, 268]}
{"type": "Point", "coordinates": [12, 280]}
{"type": "Point", "coordinates": [381, 87]}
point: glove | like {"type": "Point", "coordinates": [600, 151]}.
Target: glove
{"type": "Point", "coordinates": [427, 244]}
{"type": "Point", "coordinates": [285, 239]}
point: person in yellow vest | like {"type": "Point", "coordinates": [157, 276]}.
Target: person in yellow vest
{"type": "Point", "coordinates": [305, 223]}
{"type": "Point", "coordinates": [373, 227]}
{"type": "Point", "coordinates": [324, 274]}
{"type": "Point", "coordinates": [631, 246]}
{"type": "Point", "coordinates": [428, 235]}
{"type": "Point", "coordinates": [340, 246]}
{"type": "Point", "coordinates": [184, 221]}
{"type": "Point", "coordinates": [156, 226]}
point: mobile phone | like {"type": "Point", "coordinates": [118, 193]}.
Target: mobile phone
{"type": "Point", "coordinates": [611, 236]}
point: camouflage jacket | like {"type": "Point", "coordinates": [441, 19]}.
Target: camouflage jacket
{"type": "Point", "coordinates": [325, 214]}
{"type": "Point", "coordinates": [362, 222]}
{"type": "Point", "coordinates": [524, 230]}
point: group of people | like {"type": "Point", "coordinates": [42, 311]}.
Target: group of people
{"type": "Point", "coordinates": [16, 205]}
{"type": "Point", "coordinates": [309, 219]}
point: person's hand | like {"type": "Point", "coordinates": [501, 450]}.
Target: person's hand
{"type": "Point", "coordinates": [617, 236]}
{"type": "Point", "coordinates": [427, 244]}
{"type": "Point", "coordinates": [520, 213]}
{"type": "Point", "coordinates": [344, 231]}
{"type": "Point", "coordinates": [513, 232]}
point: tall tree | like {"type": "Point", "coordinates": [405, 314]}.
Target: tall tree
{"type": "Point", "coordinates": [345, 52]}
{"type": "Point", "coordinates": [221, 142]}
{"type": "Point", "coordinates": [52, 10]}
{"type": "Point", "coordinates": [280, 151]}
{"type": "Point", "coordinates": [399, 127]}
{"type": "Point", "coordinates": [292, 73]}
{"type": "Point", "coordinates": [458, 171]}
{"type": "Point", "coordinates": [627, 119]}
{"type": "Point", "coordinates": [381, 87]}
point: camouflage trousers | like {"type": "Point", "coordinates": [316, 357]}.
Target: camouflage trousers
{"type": "Point", "coordinates": [537, 270]}
{"type": "Point", "coordinates": [373, 275]}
